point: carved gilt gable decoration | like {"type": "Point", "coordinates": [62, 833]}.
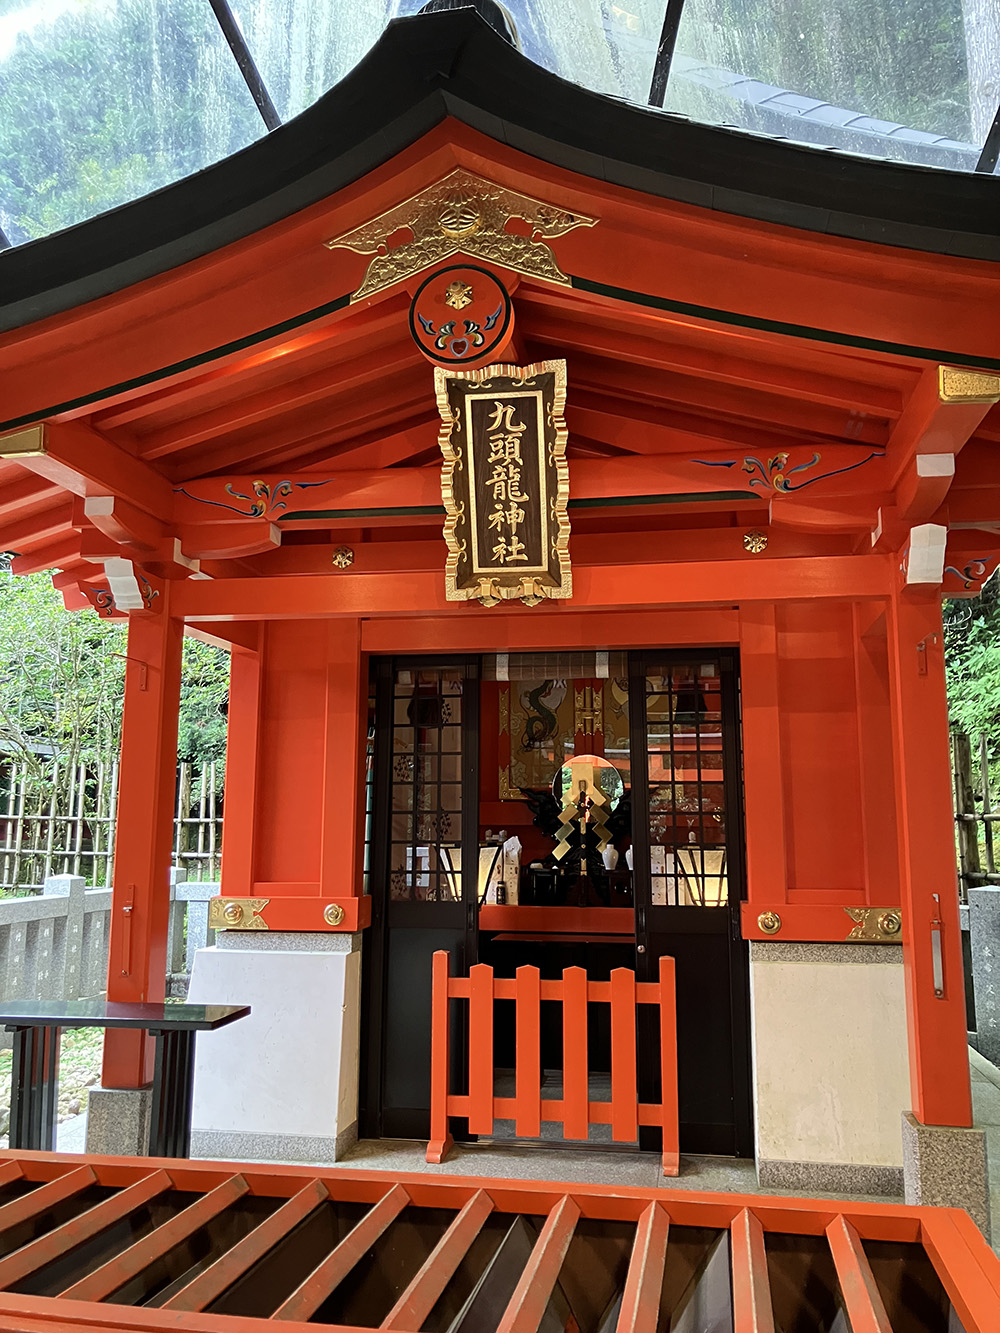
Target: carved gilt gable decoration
{"type": "Point", "coordinates": [461, 214]}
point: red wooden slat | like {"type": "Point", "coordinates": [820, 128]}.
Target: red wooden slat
{"type": "Point", "coordinates": [752, 1312]}
{"type": "Point", "coordinates": [78, 1229]}
{"type": "Point", "coordinates": [46, 1196]}
{"type": "Point", "coordinates": [668, 1067]}
{"type": "Point", "coordinates": [310, 1295]}
{"type": "Point", "coordinates": [10, 1171]}
{"type": "Point", "coordinates": [857, 1282]}
{"type": "Point", "coordinates": [575, 1068]}
{"type": "Point", "coordinates": [211, 1283]}
{"type": "Point", "coordinates": [640, 1310]}
{"type": "Point", "coordinates": [440, 1140]}
{"type": "Point", "coordinates": [420, 1296]}
{"type": "Point", "coordinates": [534, 1289]}
{"type": "Point", "coordinates": [481, 1049]}
{"type": "Point", "coordinates": [99, 1284]}
{"type": "Point", "coordinates": [624, 1095]}
{"type": "Point", "coordinates": [528, 1121]}
{"type": "Point", "coordinates": [965, 1264]}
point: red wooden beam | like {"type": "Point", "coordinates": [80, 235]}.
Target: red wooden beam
{"type": "Point", "coordinates": [39, 1201]}
{"type": "Point", "coordinates": [82, 462]}
{"type": "Point", "coordinates": [534, 1288]}
{"type": "Point", "coordinates": [752, 1311]}
{"type": "Point", "coordinates": [955, 1245]}
{"type": "Point", "coordinates": [649, 340]}
{"type": "Point", "coordinates": [233, 1263]}
{"type": "Point", "coordinates": [99, 1284]}
{"type": "Point", "coordinates": [303, 1303]}
{"type": "Point", "coordinates": [419, 1298]}
{"type": "Point", "coordinates": [608, 586]}
{"type": "Point", "coordinates": [862, 1299]}
{"type": "Point", "coordinates": [331, 383]}
{"type": "Point", "coordinates": [551, 630]}
{"type": "Point", "coordinates": [22, 494]}
{"type": "Point", "coordinates": [224, 541]}
{"type": "Point", "coordinates": [640, 1312]}
{"type": "Point", "coordinates": [47, 1248]}
{"type": "Point", "coordinates": [38, 527]}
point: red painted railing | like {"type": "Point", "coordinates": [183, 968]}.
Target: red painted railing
{"type": "Point", "coordinates": [527, 1108]}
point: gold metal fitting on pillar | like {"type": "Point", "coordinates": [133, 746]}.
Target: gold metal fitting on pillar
{"type": "Point", "coordinates": [333, 914]}
{"type": "Point", "coordinates": [237, 913]}
{"type": "Point", "coordinates": [874, 925]}
{"type": "Point", "coordinates": [769, 923]}
{"type": "Point", "coordinates": [890, 923]}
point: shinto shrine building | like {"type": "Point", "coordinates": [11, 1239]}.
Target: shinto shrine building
{"type": "Point", "coordinates": [576, 488]}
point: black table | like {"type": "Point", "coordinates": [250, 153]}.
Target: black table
{"type": "Point", "coordinates": [36, 1025]}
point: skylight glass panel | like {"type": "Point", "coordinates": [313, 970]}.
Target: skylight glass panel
{"type": "Point", "coordinates": [303, 47]}
{"type": "Point", "coordinates": [105, 100]}
{"type": "Point", "coordinates": [910, 80]}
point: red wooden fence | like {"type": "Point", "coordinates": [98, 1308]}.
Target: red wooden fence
{"type": "Point", "coordinates": [624, 1113]}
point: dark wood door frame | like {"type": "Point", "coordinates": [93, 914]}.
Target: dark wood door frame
{"type": "Point", "coordinates": [462, 917]}
{"type": "Point", "coordinates": [656, 927]}
{"type": "Point", "coordinates": [673, 930]}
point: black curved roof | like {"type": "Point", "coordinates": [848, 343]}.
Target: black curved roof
{"type": "Point", "coordinates": [432, 66]}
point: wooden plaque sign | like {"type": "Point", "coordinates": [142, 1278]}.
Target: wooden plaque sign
{"type": "Point", "coordinates": [505, 482]}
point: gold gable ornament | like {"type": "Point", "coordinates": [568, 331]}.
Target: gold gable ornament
{"type": "Point", "coordinates": [505, 482]}
{"type": "Point", "coordinates": [460, 214]}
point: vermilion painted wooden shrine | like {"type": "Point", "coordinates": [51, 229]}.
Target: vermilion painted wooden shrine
{"type": "Point", "coordinates": [728, 743]}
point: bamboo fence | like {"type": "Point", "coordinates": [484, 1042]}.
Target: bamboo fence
{"type": "Point", "coordinates": [59, 819]}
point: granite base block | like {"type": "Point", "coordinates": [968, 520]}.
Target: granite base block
{"type": "Point", "coordinates": [831, 1177]}
{"type": "Point", "coordinates": [241, 1146]}
{"type": "Point", "coordinates": [984, 938]}
{"type": "Point", "coordinates": [946, 1167]}
{"type": "Point", "coordinates": [118, 1121]}
{"type": "Point", "coordinates": [287, 941]}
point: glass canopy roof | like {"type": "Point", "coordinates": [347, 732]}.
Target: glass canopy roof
{"type": "Point", "coordinates": [104, 100]}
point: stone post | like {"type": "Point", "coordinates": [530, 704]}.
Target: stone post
{"type": "Point", "coordinates": [984, 934]}
{"type": "Point", "coordinates": [64, 981]}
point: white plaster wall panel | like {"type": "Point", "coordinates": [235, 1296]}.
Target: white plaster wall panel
{"type": "Point", "coordinates": [831, 1068]}
{"type": "Point", "coordinates": [350, 1045]}
{"type": "Point", "coordinates": [284, 1069]}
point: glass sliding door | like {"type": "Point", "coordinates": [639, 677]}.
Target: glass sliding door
{"type": "Point", "coordinates": [687, 881]}
{"type": "Point", "coordinates": [425, 836]}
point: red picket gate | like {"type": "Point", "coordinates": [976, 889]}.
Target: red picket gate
{"type": "Point", "coordinates": [624, 1112]}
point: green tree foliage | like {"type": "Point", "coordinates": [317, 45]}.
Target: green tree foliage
{"type": "Point", "coordinates": [109, 100]}
{"type": "Point", "coordinates": [62, 681]}
{"type": "Point", "coordinates": [972, 659]}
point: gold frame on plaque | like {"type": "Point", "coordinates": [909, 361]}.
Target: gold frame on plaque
{"type": "Point", "coordinates": [505, 585]}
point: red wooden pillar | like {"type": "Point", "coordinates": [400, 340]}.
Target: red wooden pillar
{"type": "Point", "coordinates": [764, 782]}
{"type": "Point", "coordinates": [936, 1023]}
{"type": "Point", "coordinates": [140, 904]}
{"type": "Point", "coordinates": [342, 831]}
{"type": "Point", "coordinates": [242, 760]}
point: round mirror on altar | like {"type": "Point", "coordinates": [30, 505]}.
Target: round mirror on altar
{"type": "Point", "coordinates": [584, 773]}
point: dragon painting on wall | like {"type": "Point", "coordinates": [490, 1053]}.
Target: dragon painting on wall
{"type": "Point", "coordinates": [542, 719]}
